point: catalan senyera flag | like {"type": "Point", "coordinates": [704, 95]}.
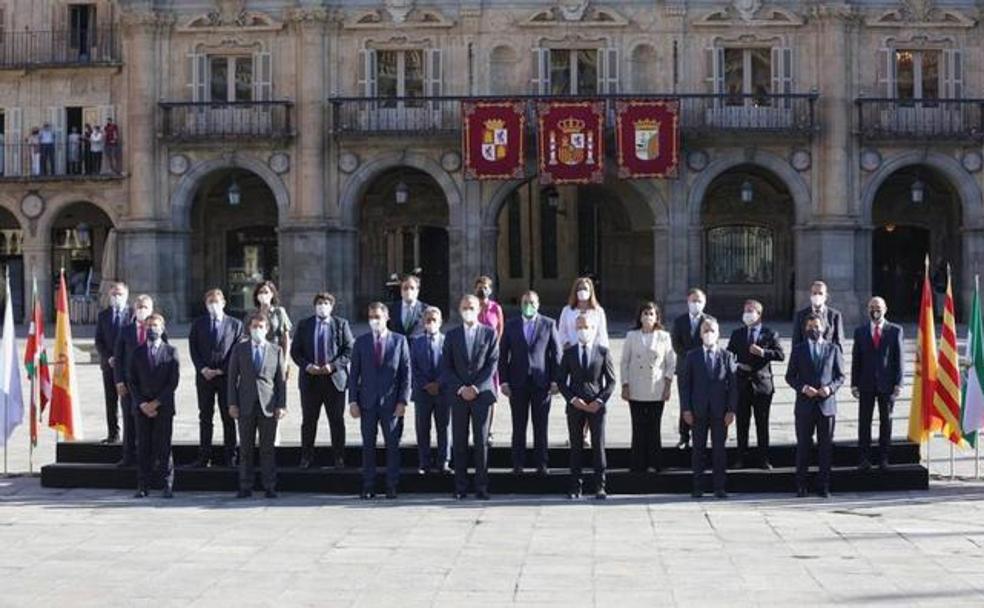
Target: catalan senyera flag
{"type": "Point", "coordinates": [64, 415]}
{"type": "Point", "coordinates": [36, 362]}
{"type": "Point", "coordinates": [972, 402]}
{"type": "Point", "coordinates": [924, 380]}
{"type": "Point", "coordinates": [946, 397]}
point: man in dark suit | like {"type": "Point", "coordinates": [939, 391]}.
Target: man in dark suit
{"type": "Point", "coordinates": [708, 398]}
{"type": "Point", "coordinates": [755, 347]}
{"type": "Point", "coordinates": [685, 336]}
{"type": "Point", "coordinates": [471, 353]}
{"type": "Point", "coordinates": [815, 373]}
{"type": "Point", "coordinates": [529, 355]}
{"type": "Point", "coordinates": [322, 350]}
{"type": "Point", "coordinates": [833, 323]}
{"type": "Point", "coordinates": [379, 390]}
{"type": "Point", "coordinates": [407, 314]}
{"type": "Point", "coordinates": [257, 399]}
{"type": "Point", "coordinates": [877, 369]}
{"type": "Point", "coordinates": [210, 341]}
{"type": "Point", "coordinates": [429, 402]}
{"type": "Point", "coordinates": [586, 379]}
{"type": "Point", "coordinates": [154, 378]}
{"type": "Point", "coordinates": [108, 324]}
{"type": "Point", "coordinates": [130, 337]}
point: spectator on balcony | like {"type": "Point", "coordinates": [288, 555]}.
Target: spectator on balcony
{"type": "Point", "coordinates": [112, 134]}
{"type": "Point", "coordinates": [87, 148]}
{"type": "Point", "coordinates": [74, 151]}
{"type": "Point", "coordinates": [47, 139]}
{"type": "Point", "coordinates": [34, 147]}
{"type": "Point", "coordinates": [97, 142]}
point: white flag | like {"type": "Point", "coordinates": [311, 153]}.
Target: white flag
{"type": "Point", "coordinates": [11, 399]}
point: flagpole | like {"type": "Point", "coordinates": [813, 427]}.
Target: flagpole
{"type": "Point", "coordinates": [952, 474]}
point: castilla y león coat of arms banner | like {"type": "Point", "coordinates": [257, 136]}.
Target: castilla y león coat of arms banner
{"type": "Point", "coordinates": [494, 139]}
{"type": "Point", "coordinates": [571, 144]}
{"type": "Point", "coordinates": [647, 138]}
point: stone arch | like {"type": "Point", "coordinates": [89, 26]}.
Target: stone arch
{"type": "Point", "coordinates": [58, 203]}
{"type": "Point", "coordinates": [184, 193]}
{"type": "Point", "coordinates": [798, 188]}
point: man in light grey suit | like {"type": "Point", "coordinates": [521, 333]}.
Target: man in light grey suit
{"type": "Point", "coordinates": [257, 399]}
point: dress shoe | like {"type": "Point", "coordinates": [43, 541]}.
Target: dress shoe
{"type": "Point", "coordinates": [883, 465]}
{"type": "Point", "coordinates": [483, 495]}
{"type": "Point", "coordinates": [270, 494]}
{"type": "Point", "coordinates": [823, 492]}
{"type": "Point", "coordinates": [244, 493]}
{"type": "Point", "coordinates": [141, 493]}
{"type": "Point", "coordinates": [801, 493]}
{"type": "Point", "coordinates": [339, 464]}
{"type": "Point", "coordinates": [720, 494]}
{"type": "Point", "coordinates": [365, 495]}
{"type": "Point", "coordinates": [574, 494]}
{"type": "Point", "coordinates": [304, 464]}
{"type": "Point", "coordinates": [460, 496]}
{"type": "Point", "coordinates": [391, 494]}
{"type": "Point", "coordinates": [126, 462]}
{"type": "Point", "coordinates": [110, 440]}
{"type": "Point", "coordinates": [766, 465]}
{"type": "Point", "coordinates": [864, 465]}
{"type": "Point", "coordinates": [168, 493]}
{"type": "Point", "coordinates": [683, 444]}
{"type": "Point", "coordinates": [444, 469]}
{"type": "Point", "coordinates": [421, 471]}
{"type": "Point", "coordinates": [696, 494]}
{"type": "Point", "coordinates": [231, 460]}
{"type": "Point", "coordinates": [601, 494]}
{"type": "Point", "coordinates": [543, 471]}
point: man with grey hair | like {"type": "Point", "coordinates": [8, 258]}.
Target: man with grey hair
{"type": "Point", "coordinates": [429, 402]}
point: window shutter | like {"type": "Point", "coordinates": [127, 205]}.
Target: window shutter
{"type": "Point", "coordinates": [197, 75]}
{"type": "Point", "coordinates": [608, 71]}
{"type": "Point", "coordinates": [541, 71]}
{"type": "Point", "coordinates": [885, 69]}
{"type": "Point", "coordinates": [262, 76]}
{"type": "Point", "coordinates": [782, 73]}
{"type": "Point", "coordinates": [714, 57]}
{"type": "Point", "coordinates": [56, 117]}
{"type": "Point", "coordinates": [14, 142]}
{"type": "Point", "coordinates": [952, 73]}
{"type": "Point", "coordinates": [435, 73]}
{"type": "Point", "coordinates": [367, 72]}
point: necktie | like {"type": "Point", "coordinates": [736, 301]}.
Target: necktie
{"type": "Point", "coordinates": [152, 355]}
{"type": "Point", "coordinates": [708, 360]}
{"type": "Point", "coordinates": [584, 357]}
{"type": "Point", "coordinates": [141, 334]}
{"type": "Point", "coordinates": [378, 351]}
{"type": "Point", "coordinates": [257, 359]}
{"type": "Point", "coordinates": [751, 336]}
{"type": "Point", "coordinates": [215, 332]}
{"type": "Point", "coordinates": [877, 336]}
{"type": "Point", "coordinates": [407, 318]}
{"type": "Point", "coordinates": [815, 350]}
{"type": "Point", "coordinates": [529, 332]}
{"type": "Point", "coordinates": [117, 317]}
{"type": "Point", "coordinates": [322, 344]}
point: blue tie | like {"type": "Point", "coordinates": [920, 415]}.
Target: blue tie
{"type": "Point", "coordinates": [257, 359]}
{"type": "Point", "coordinates": [322, 345]}
{"type": "Point", "coordinates": [215, 332]}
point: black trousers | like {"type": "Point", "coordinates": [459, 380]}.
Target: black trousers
{"type": "Point", "coordinates": [154, 459]}
{"type": "Point", "coordinates": [809, 421]}
{"type": "Point", "coordinates": [576, 422]}
{"type": "Point", "coordinates": [713, 425]}
{"type": "Point", "coordinates": [682, 425]}
{"type": "Point", "coordinates": [47, 159]}
{"type": "Point", "coordinates": [129, 411]}
{"type": "Point", "coordinates": [210, 391]}
{"type": "Point", "coordinates": [320, 392]}
{"type": "Point", "coordinates": [866, 411]}
{"type": "Point", "coordinates": [751, 404]}
{"type": "Point", "coordinates": [112, 402]}
{"type": "Point", "coordinates": [646, 439]}
{"type": "Point", "coordinates": [475, 417]}
{"type": "Point", "coordinates": [432, 408]}
{"type": "Point", "coordinates": [248, 427]}
{"type": "Point", "coordinates": [526, 403]}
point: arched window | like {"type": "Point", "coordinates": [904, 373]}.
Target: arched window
{"type": "Point", "coordinates": [740, 255]}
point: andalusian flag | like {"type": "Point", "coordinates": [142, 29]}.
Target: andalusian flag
{"type": "Point", "coordinates": [64, 416]}
{"type": "Point", "coordinates": [946, 400]}
{"type": "Point", "coordinates": [924, 380]}
{"type": "Point", "coordinates": [972, 402]}
{"type": "Point", "coordinates": [36, 362]}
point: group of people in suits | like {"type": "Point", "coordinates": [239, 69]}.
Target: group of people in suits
{"type": "Point", "coordinates": [453, 381]}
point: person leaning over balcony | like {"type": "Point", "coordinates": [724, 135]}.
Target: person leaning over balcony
{"type": "Point", "coordinates": [97, 142]}
{"type": "Point", "coordinates": [47, 139]}
{"type": "Point", "coordinates": [74, 151]}
{"type": "Point", "coordinates": [34, 149]}
{"type": "Point", "coordinates": [266, 299]}
{"type": "Point", "coordinates": [87, 149]}
{"type": "Point", "coordinates": [112, 134]}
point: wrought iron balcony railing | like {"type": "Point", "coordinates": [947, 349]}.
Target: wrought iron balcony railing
{"type": "Point", "coordinates": [238, 121]}
{"type": "Point", "coordinates": [29, 49]}
{"type": "Point", "coordinates": [921, 119]}
{"type": "Point", "coordinates": [700, 114]}
{"type": "Point", "coordinates": [64, 158]}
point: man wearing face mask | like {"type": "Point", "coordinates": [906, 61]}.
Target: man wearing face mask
{"type": "Point", "coordinates": [586, 378]}
{"type": "Point", "coordinates": [132, 336]}
{"type": "Point", "coordinates": [685, 336]}
{"type": "Point", "coordinates": [833, 324]}
{"type": "Point", "coordinates": [379, 390]}
{"type": "Point", "coordinates": [877, 369]}
{"type": "Point", "coordinates": [755, 347]}
{"type": "Point", "coordinates": [210, 341]}
{"type": "Point", "coordinates": [471, 353]}
{"type": "Point", "coordinates": [529, 355]}
{"type": "Point", "coordinates": [708, 398]}
{"type": "Point", "coordinates": [257, 399]}
{"type": "Point", "coordinates": [815, 373]}
{"type": "Point", "coordinates": [408, 312]}
{"type": "Point", "coordinates": [154, 377]}
{"type": "Point", "coordinates": [108, 325]}
{"type": "Point", "coordinates": [322, 350]}
{"type": "Point", "coordinates": [429, 402]}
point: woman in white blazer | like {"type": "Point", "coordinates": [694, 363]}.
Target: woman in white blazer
{"type": "Point", "coordinates": [647, 367]}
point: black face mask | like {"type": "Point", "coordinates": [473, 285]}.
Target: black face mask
{"type": "Point", "coordinates": [813, 334]}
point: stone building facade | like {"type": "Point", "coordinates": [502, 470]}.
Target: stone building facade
{"type": "Point", "coordinates": [317, 143]}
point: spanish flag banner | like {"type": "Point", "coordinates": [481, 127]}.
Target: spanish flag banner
{"type": "Point", "coordinates": [946, 400]}
{"type": "Point", "coordinates": [924, 381]}
{"type": "Point", "coordinates": [65, 415]}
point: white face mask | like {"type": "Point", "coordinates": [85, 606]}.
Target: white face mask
{"type": "Point", "coordinates": [410, 295]}
{"type": "Point", "coordinates": [377, 325]}
{"type": "Point", "coordinates": [469, 315]}
{"type": "Point", "coordinates": [818, 300]}
{"type": "Point", "coordinates": [709, 338]}
{"type": "Point", "coordinates": [749, 318]}
{"type": "Point", "coordinates": [583, 295]}
{"type": "Point", "coordinates": [584, 336]}
{"type": "Point", "coordinates": [695, 308]}
{"type": "Point", "coordinates": [118, 300]}
{"type": "Point", "coordinates": [323, 310]}
{"type": "Point", "coordinates": [431, 328]}
{"type": "Point", "coordinates": [141, 314]}
{"type": "Point", "coordinates": [215, 308]}
{"type": "Point", "coordinates": [264, 298]}
{"type": "Point", "coordinates": [257, 335]}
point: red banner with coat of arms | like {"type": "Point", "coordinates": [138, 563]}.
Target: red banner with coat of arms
{"type": "Point", "coordinates": [571, 146]}
{"type": "Point", "coordinates": [493, 139]}
{"type": "Point", "coordinates": [647, 138]}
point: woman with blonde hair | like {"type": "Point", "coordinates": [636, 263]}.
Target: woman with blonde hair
{"type": "Point", "coordinates": [583, 300]}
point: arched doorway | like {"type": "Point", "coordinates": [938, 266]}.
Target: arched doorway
{"type": "Point", "coordinates": [83, 244]}
{"type": "Point", "coordinates": [601, 231]}
{"type": "Point", "coordinates": [12, 261]}
{"type": "Point", "coordinates": [234, 238]}
{"type": "Point", "coordinates": [915, 212]}
{"type": "Point", "coordinates": [747, 216]}
{"type": "Point", "coordinates": [403, 225]}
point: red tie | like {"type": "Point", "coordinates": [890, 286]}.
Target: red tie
{"type": "Point", "coordinates": [141, 334]}
{"type": "Point", "coordinates": [877, 337]}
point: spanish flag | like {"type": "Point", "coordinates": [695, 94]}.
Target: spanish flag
{"type": "Point", "coordinates": [64, 415]}
{"type": "Point", "coordinates": [945, 417]}
{"type": "Point", "coordinates": [924, 381]}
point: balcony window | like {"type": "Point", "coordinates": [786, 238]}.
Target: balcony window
{"type": "Point", "coordinates": [230, 78]}
{"type": "Point", "coordinates": [740, 255]}
{"type": "Point", "coordinates": [574, 72]}
{"type": "Point", "coordinates": [918, 74]}
{"type": "Point", "coordinates": [400, 74]}
{"type": "Point", "coordinates": [748, 72]}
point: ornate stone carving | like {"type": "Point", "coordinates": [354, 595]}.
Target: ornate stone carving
{"type": "Point", "coordinates": [348, 162]}
{"type": "Point", "coordinates": [398, 13]}
{"type": "Point", "coordinates": [399, 9]}
{"type": "Point", "coordinates": [697, 160]}
{"type": "Point", "coordinates": [972, 161]}
{"type": "Point", "coordinates": [922, 14]}
{"type": "Point", "coordinates": [232, 15]}
{"type": "Point", "coordinates": [746, 9]}
{"type": "Point", "coordinates": [575, 13]}
{"type": "Point", "coordinates": [178, 164]}
{"type": "Point", "coordinates": [744, 13]}
{"type": "Point", "coordinates": [801, 160]}
{"type": "Point", "coordinates": [279, 162]}
{"type": "Point", "coordinates": [451, 161]}
{"type": "Point", "coordinates": [870, 159]}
